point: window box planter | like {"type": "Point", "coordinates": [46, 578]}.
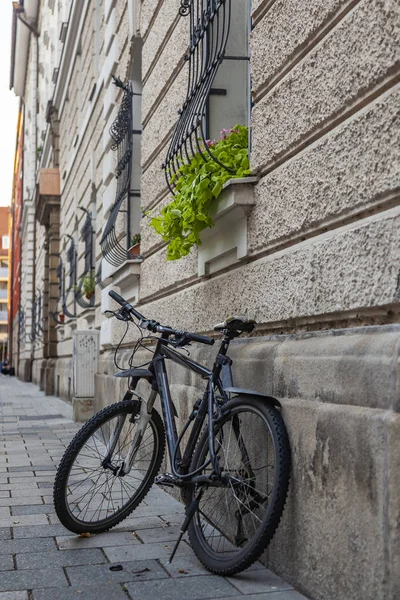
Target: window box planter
{"type": "Point", "coordinates": [226, 242]}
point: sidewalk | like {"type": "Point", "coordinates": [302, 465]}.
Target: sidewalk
{"type": "Point", "coordinates": [41, 560]}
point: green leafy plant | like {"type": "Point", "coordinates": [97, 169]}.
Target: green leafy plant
{"type": "Point", "coordinates": [89, 284]}
{"type": "Point", "coordinates": [135, 239]}
{"type": "Point", "coordinates": [198, 185]}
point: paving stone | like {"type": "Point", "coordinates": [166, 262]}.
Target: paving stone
{"type": "Point", "coordinates": [137, 552]}
{"type": "Point", "coordinates": [195, 588]}
{"type": "Point", "coordinates": [68, 558]}
{"type": "Point", "coordinates": [259, 581]}
{"type": "Point", "coordinates": [23, 521]}
{"type": "Point", "coordinates": [19, 546]}
{"type": "Point", "coordinates": [4, 494]}
{"type": "Point", "coordinates": [101, 540]}
{"type": "Point", "coordinates": [131, 571]}
{"type": "Point", "coordinates": [5, 533]}
{"type": "Point", "coordinates": [6, 563]}
{"type": "Point", "coordinates": [21, 500]}
{"type": "Point", "coordinates": [25, 580]}
{"type": "Point", "coordinates": [110, 591]}
{"type": "Point", "coordinates": [285, 595]}
{"type": "Point", "coordinates": [35, 509]}
{"type": "Point", "coordinates": [39, 531]}
{"type": "Point", "coordinates": [13, 595]}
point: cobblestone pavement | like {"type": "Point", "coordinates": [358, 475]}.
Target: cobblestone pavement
{"type": "Point", "coordinates": [41, 560]}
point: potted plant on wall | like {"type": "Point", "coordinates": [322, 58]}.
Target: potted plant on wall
{"type": "Point", "coordinates": [89, 285]}
{"type": "Point", "coordinates": [61, 317]}
{"type": "Point", "coordinates": [134, 250]}
{"type": "Point", "coordinates": [198, 184]}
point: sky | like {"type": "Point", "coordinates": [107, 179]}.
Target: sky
{"type": "Point", "coordinates": [8, 106]}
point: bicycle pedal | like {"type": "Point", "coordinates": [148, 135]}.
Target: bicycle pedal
{"type": "Point", "coordinates": [167, 479]}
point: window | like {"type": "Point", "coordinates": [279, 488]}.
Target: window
{"type": "Point", "coordinates": [5, 242]}
{"type": "Point", "coordinates": [125, 213]}
{"type": "Point", "coordinates": [218, 79]}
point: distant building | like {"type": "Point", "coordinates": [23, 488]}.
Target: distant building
{"type": "Point", "coordinates": [15, 313]}
{"type": "Point", "coordinates": [4, 248]}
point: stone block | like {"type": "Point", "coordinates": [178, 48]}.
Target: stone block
{"type": "Point", "coordinates": [203, 586]}
{"type": "Point", "coordinates": [157, 130]}
{"type": "Point", "coordinates": [39, 578]}
{"type": "Point", "coordinates": [108, 7]}
{"type": "Point", "coordinates": [153, 183]}
{"type": "Point", "coordinates": [67, 558]}
{"type": "Point", "coordinates": [332, 180]}
{"type": "Point", "coordinates": [132, 571]}
{"type": "Point", "coordinates": [167, 66]}
{"type": "Point", "coordinates": [356, 58]}
{"type": "Point", "coordinates": [163, 27]}
{"type": "Point", "coordinates": [109, 166]}
{"type": "Point", "coordinates": [110, 30]}
{"type": "Point", "coordinates": [159, 274]}
{"type": "Point", "coordinates": [349, 269]}
{"type": "Point", "coordinates": [82, 409]}
{"type": "Point", "coordinates": [338, 495]}
{"type": "Point", "coordinates": [111, 592]}
{"type": "Point", "coordinates": [111, 63]}
{"type": "Point", "coordinates": [284, 32]}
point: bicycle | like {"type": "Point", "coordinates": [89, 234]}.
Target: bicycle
{"type": "Point", "coordinates": [233, 471]}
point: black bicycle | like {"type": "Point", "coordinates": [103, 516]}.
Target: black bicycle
{"type": "Point", "coordinates": [233, 471]}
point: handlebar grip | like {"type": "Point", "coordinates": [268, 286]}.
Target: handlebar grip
{"type": "Point", "coordinates": [117, 298]}
{"type": "Point", "coordinates": [202, 339]}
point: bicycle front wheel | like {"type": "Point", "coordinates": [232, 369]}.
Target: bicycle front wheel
{"type": "Point", "coordinates": [235, 522]}
{"type": "Point", "coordinates": [90, 497]}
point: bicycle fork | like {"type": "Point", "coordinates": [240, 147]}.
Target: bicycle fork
{"type": "Point", "coordinates": [143, 416]}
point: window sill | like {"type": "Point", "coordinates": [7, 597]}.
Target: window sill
{"type": "Point", "coordinates": [226, 243]}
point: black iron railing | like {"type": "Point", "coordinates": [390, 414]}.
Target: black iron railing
{"type": "Point", "coordinates": [21, 327]}
{"type": "Point", "coordinates": [88, 271]}
{"type": "Point", "coordinates": [122, 134]}
{"type": "Point", "coordinates": [210, 22]}
{"type": "Point", "coordinates": [55, 313]}
{"type": "Point", "coordinates": [71, 275]}
{"type": "Point", "coordinates": [36, 318]}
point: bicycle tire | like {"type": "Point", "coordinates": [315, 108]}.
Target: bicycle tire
{"type": "Point", "coordinates": [233, 556]}
{"type": "Point", "coordinates": [62, 480]}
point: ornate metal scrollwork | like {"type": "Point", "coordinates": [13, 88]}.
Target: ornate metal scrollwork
{"type": "Point", "coordinates": [122, 134]}
{"type": "Point", "coordinates": [60, 289]}
{"type": "Point", "coordinates": [71, 261]}
{"type": "Point", "coordinates": [210, 22]}
{"type": "Point", "coordinates": [87, 237]}
{"type": "Point", "coordinates": [21, 327]}
{"type": "Point", "coordinates": [185, 8]}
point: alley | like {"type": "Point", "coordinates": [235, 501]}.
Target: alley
{"type": "Point", "coordinates": [41, 560]}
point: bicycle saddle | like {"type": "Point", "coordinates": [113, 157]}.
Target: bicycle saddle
{"type": "Point", "coordinates": [236, 323]}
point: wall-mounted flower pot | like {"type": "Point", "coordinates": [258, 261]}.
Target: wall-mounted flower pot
{"type": "Point", "coordinates": [134, 250]}
{"type": "Point", "coordinates": [61, 317]}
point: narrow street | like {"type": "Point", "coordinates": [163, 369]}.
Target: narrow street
{"type": "Point", "coordinates": [41, 560]}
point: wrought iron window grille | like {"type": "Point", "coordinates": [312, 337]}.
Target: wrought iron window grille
{"type": "Point", "coordinates": [71, 261]}
{"type": "Point", "coordinates": [87, 237]}
{"type": "Point", "coordinates": [210, 24]}
{"type": "Point", "coordinates": [36, 315]}
{"type": "Point", "coordinates": [21, 327]}
{"type": "Point", "coordinates": [121, 132]}
{"type": "Point", "coordinates": [60, 289]}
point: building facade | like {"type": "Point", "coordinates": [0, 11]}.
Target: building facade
{"type": "Point", "coordinates": [306, 242]}
{"type": "Point", "coordinates": [4, 250]}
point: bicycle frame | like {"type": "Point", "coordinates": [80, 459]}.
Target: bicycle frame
{"type": "Point", "coordinates": [207, 405]}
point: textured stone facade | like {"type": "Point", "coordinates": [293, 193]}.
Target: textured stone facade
{"type": "Point", "coordinates": [320, 273]}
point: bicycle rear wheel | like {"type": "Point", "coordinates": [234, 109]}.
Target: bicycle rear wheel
{"type": "Point", "coordinates": [90, 497]}
{"type": "Point", "coordinates": [234, 524]}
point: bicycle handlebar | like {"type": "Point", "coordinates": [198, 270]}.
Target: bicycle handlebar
{"type": "Point", "coordinates": [146, 324]}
